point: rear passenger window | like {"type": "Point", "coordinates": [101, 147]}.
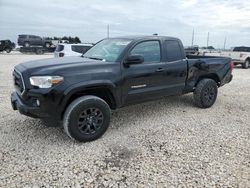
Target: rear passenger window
{"type": "Point", "coordinates": [241, 49]}
{"type": "Point", "coordinates": [59, 48]}
{"type": "Point", "coordinates": [150, 50]}
{"type": "Point", "coordinates": [173, 50]}
{"type": "Point", "coordinates": [80, 49]}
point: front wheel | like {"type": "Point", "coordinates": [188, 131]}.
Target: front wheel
{"type": "Point", "coordinates": [246, 64]}
{"type": "Point", "coordinates": [39, 51]}
{"type": "Point", "coordinates": [205, 93]}
{"type": "Point", "coordinates": [86, 118]}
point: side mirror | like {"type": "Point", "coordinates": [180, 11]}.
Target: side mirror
{"type": "Point", "coordinates": [133, 59]}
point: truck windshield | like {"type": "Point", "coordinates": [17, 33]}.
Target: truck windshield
{"type": "Point", "coordinates": [107, 50]}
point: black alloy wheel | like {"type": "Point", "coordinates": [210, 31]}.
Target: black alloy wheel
{"type": "Point", "coordinates": [209, 94]}
{"type": "Point", "coordinates": [86, 118]}
{"type": "Point", "coordinates": [90, 120]}
{"type": "Point", "coordinates": [205, 93]}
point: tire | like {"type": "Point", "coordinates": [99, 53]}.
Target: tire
{"type": "Point", "coordinates": [86, 118]}
{"type": "Point", "coordinates": [205, 93]}
{"type": "Point", "coordinates": [39, 51]}
{"type": "Point", "coordinates": [26, 44]}
{"type": "Point", "coordinates": [47, 45]}
{"type": "Point", "coordinates": [246, 64]}
{"type": "Point", "coordinates": [8, 50]}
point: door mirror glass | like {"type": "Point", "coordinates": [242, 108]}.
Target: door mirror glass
{"type": "Point", "coordinates": [134, 59]}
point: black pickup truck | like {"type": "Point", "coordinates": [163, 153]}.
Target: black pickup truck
{"type": "Point", "coordinates": [116, 72]}
{"type": "Point", "coordinates": [6, 45]}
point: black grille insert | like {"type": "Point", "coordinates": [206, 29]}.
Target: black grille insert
{"type": "Point", "coordinates": [18, 81]}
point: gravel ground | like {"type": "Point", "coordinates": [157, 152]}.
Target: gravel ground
{"type": "Point", "coordinates": [164, 143]}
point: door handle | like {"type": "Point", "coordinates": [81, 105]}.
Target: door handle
{"type": "Point", "coordinates": [159, 70]}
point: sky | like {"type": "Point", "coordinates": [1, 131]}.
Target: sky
{"type": "Point", "coordinates": [88, 19]}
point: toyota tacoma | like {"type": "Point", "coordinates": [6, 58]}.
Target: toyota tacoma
{"type": "Point", "coordinates": [81, 91]}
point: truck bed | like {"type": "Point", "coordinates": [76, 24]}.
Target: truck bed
{"type": "Point", "coordinates": [215, 67]}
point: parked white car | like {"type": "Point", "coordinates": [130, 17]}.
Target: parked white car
{"type": "Point", "coordinates": [63, 50]}
{"type": "Point", "coordinates": [240, 55]}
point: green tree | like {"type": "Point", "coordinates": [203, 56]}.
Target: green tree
{"type": "Point", "coordinates": [71, 40]}
{"type": "Point", "coordinates": [77, 40]}
{"type": "Point", "coordinates": [57, 38]}
{"type": "Point", "coordinates": [65, 38]}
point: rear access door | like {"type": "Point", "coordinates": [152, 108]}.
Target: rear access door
{"type": "Point", "coordinates": [175, 67]}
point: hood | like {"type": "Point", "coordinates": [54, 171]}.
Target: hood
{"type": "Point", "coordinates": [53, 64]}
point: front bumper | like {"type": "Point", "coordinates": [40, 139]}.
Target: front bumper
{"type": "Point", "coordinates": [24, 109]}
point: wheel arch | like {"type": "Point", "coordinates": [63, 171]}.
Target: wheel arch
{"type": "Point", "coordinates": [105, 92]}
{"type": "Point", "coordinates": [212, 76]}
{"type": "Point", "coordinates": [248, 59]}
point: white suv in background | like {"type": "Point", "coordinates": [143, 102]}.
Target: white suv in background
{"type": "Point", "coordinates": [71, 49]}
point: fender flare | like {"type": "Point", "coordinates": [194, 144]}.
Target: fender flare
{"type": "Point", "coordinates": [87, 85]}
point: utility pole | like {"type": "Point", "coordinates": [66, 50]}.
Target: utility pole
{"type": "Point", "coordinates": [225, 41]}
{"type": "Point", "coordinates": [108, 31]}
{"type": "Point", "coordinates": [192, 38]}
{"type": "Point", "coordinates": [207, 39]}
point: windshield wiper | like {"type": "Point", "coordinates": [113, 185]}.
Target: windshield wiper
{"type": "Point", "coordinates": [96, 58]}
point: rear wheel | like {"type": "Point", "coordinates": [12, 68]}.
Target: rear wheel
{"type": "Point", "coordinates": [87, 118]}
{"type": "Point", "coordinates": [245, 65]}
{"type": "Point", "coordinates": [8, 50]}
{"type": "Point", "coordinates": [205, 93]}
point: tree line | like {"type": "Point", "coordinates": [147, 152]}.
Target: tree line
{"type": "Point", "coordinates": [69, 39]}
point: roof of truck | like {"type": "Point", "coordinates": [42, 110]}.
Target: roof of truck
{"type": "Point", "coordinates": [75, 44]}
{"type": "Point", "coordinates": [137, 37]}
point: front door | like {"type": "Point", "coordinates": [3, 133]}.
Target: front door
{"type": "Point", "coordinates": [142, 82]}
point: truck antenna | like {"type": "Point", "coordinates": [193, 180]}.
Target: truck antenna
{"type": "Point", "coordinates": [207, 39]}
{"type": "Point", "coordinates": [225, 41]}
{"type": "Point", "coordinates": [192, 38]}
{"type": "Point", "coordinates": [108, 31]}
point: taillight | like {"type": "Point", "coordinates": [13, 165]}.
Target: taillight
{"type": "Point", "coordinates": [231, 66]}
{"type": "Point", "coordinates": [61, 54]}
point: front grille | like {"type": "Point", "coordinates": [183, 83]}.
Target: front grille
{"type": "Point", "coordinates": [18, 81]}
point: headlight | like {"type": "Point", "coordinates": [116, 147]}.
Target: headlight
{"type": "Point", "coordinates": [45, 81]}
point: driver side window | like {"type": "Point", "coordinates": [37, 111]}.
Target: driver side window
{"type": "Point", "coordinates": [150, 50]}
